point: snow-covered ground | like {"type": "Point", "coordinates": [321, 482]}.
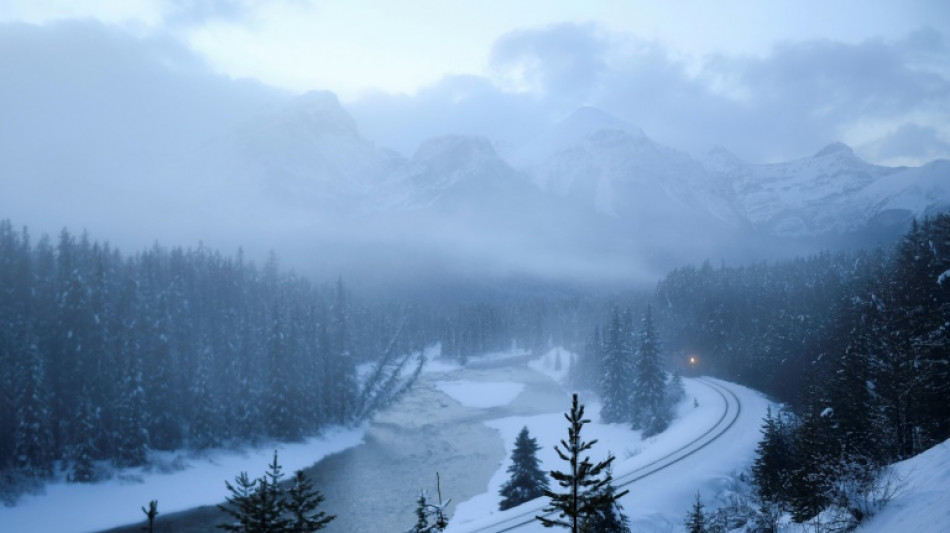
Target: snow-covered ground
{"type": "Point", "coordinates": [481, 394]}
{"type": "Point", "coordinates": [922, 503]}
{"type": "Point", "coordinates": [657, 503]}
{"type": "Point", "coordinates": [195, 480]}
{"type": "Point", "coordinates": [660, 501]}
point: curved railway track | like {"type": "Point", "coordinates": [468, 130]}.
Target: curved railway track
{"type": "Point", "coordinates": [732, 408]}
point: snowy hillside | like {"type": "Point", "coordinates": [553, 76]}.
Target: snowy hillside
{"type": "Point", "coordinates": [921, 503]}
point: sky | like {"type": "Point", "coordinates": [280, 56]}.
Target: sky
{"type": "Point", "coordinates": [769, 80]}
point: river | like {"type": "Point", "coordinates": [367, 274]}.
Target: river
{"type": "Point", "coordinates": [373, 487]}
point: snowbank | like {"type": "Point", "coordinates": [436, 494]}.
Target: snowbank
{"type": "Point", "coordinates": [69, 508]}
{"type": "Point", "coordinates": [922, 504]}
{"type": "Point", "coordinates": [481, 394]}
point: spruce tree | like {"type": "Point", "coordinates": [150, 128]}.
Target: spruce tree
{"type": "Point", "coordinates": [651, 411]}
{"type": "Point", "coordinates": [610, 517]}
{"type": "Point", "coordinates": [240, 504]}
{"type": "Point", "coordinates": [268, 515]}
{"type": "Point", "coordinates": [584, 484]}
{"type": "Point", "coordinates": [32, 435]}
{"type": "Point", "coordinates": [301, 505]}
{"type": "Point", "coordinates": [131, 445]}
{"type": "Point", "coordinates": [618, 371]}
{"type": "Point", "coordinates": [696, 519]}
{"type": "Point", "coordinates": [84, 451]}
{"type": "Point", "coordinates": [772, 465]}
{"type": "Point", "coordinates": [527, 481]}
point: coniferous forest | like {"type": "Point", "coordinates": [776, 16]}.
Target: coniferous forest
{"type": "Point", "coordinates": [855, 345]}
{"type": "Point", "coordinates": [104, 357]}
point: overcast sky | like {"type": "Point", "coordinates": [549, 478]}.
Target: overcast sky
{"type": "Point", "coordinates": [768, 80]}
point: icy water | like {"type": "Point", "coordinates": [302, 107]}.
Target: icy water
{"type": "Point", "coordinates": [373, 487]}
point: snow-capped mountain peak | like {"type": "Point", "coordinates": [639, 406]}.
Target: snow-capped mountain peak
{"type": "Point", "coordinates": [574, 129]}
{"type": "Point", "coordinates": [320, 111]}
{"type": "Point", "coordinates": [836, 147]}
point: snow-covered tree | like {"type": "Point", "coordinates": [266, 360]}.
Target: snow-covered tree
{"type": "Point", "coordinates": [617, 381]}
{"type": "Point", "coordinates": [301, 504]}
{"type": "Point", "coordinates": [33, 434]}
{"type": "Point", "coordinates": [696, 519]}
{"type": "Point", "coordinates": [651, 411]}
{"type": "Point", "coordinates": [527, 481]}
{"type": "Point", "coordinates": [583, 484]}
{"type": "Point", "coordinates": [240, 504]}
{"type": "Point", "coordinates": [430, 516]}
{"type": "Point", "coordinates": [610, 517]}
{"type": "Point", "coordinates": [773, 461]}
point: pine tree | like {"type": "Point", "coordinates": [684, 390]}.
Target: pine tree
{"type": "Point", "coordinates": [240, 504]}
{"type": "Point", "coordinates": [267, 515]}
{"type": "Point", "coordinates": [652, 414]}
{"type": "Point", "coordinates": [618, 371]}
{"type": "Point", "coordinates": [772, 465]}
{"type": "Point", "coordinates": [204, 409]}
{"type": "Point", "coordinates": [584, 484]}
{"type": "Point", "coordinates": [131, 435]}
{"type": "Point", "coordinates": [527, 481]}
{"type": "Point", "coordinates": [696, 519]}
{"type": "Point", "coordinates": [610, 517]}
{"type": "Point", "coordinates": [84, 451]}
{"type": "Point", "coordinates": [33, 435]}
{"type": "Point", "coordinates": [811, 479]}
{"type": "Point", "coordinates": [301, 505]}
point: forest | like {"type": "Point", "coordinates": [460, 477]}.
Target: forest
{"type": "Point", "coordinates": [855, 347]}
{"type": "Point", "coordinates": [104, 357]}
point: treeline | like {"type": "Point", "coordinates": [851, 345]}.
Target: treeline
{"type": "Point", "coordinates": [624, 365]}
{"type": "Point", "coordinates": [103, 357]}
{"type": "Point", "coordinates": [857, 345]}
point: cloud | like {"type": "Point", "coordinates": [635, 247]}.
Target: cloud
{"type": "Point", "coordinates": [467, 105]}
{"type": "Point", "coordinates": [784, 104]}
{"type": "Point", "coordinates": [101, 129]}
{"type": "Point", "coordinates": [193, 12]}
{"type": "Point", "coordinates": [914, 142]}
{"type": "Point", "coordinates": [562, 62]}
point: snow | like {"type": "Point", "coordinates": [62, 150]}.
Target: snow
{"type": "Point", "coordinates": [481, 394]}
{"type": "Point", "coordinates": [197, 480]}
{"type": "Point", "coordinates": [660, 502]}
{"type": "Point", "coordinates": [547, 364]}
{"type": "Point", "coordinates": [920, 504]}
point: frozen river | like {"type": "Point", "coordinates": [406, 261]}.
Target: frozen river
{"type": "Point", "coordinates": [373, 487]}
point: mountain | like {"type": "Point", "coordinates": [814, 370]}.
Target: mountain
{"type": "Point", "coordinates": [654, 199]}
{"type": "Point", "coordinates": [592, 196]}
{"type": "Point", "coordinates": [613, 166]}
{"type": "Point", "coordinates": [310, 154]}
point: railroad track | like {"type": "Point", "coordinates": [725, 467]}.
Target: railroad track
{"type": "Point", "coordinates": [730, 414]}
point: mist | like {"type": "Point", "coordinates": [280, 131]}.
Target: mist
{"type": "Point", "coordinates": [137, 140]}
{"type": "Point", "coordinates": [390, 240]}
